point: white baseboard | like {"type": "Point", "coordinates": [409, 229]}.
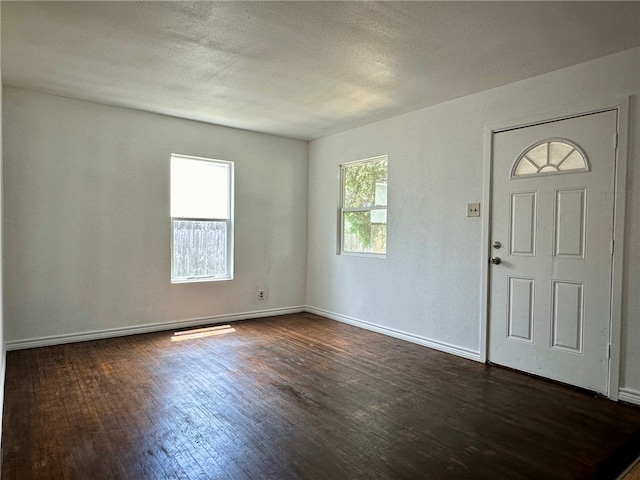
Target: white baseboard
{"type": "Point", "coordinates": [3, 371]}
{"type": "Point", "coordinates": [194, 322]}
{"type": "Point", "coordinates": [628, 469]}
{"type": "Point", "coordinates": [427, 342]}
{"type": "Point", "coordinates": [148, 328]}
{"type": "Point", "coordinates": [628, 395]}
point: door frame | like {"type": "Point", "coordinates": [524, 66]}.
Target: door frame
{"type": "Point", "coordinates": [621, 106]}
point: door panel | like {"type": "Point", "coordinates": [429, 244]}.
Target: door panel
{"type": "Point", "coordinates": [522, 228]}
{"type": "Point", "coordinates": [520, 309]}
{"type": "Point", "coordinates": [567, 316]}
{"type": "Point", "coordinates": [551, 293]}
{"type": "Point", "coordinates": [570, 221]}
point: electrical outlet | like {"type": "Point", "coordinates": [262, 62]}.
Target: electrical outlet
{"type": "Point", "coordinates": [473, 209]}
{"type": "Point", "coordinates": [261, 295]}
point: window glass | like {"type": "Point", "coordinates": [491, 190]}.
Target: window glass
{"type": "Point", "coordinates": [199, 189]}
{"type": "Point", "coordinates": [365, 184]}
{"type": "Point", "coordinates": [201, 219]}
{"type": "Point", "coordinates": [364, 207]}
{"type": "Point", "coordinates": [550, 157]}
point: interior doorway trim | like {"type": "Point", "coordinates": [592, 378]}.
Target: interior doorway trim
{"type": "Point", "coordinates": [621, 106]}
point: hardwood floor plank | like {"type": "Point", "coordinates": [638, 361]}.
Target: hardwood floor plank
{"type": "Point", "coordinates": [297, 397]}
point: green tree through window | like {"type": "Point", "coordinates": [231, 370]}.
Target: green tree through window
{"type": "Point", "coordinates": [364, 206]}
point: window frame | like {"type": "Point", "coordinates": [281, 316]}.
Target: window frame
{"type": "Point", "coordinates": [342, 210]}
{"type": "Point", "coordinates": [229, 222]}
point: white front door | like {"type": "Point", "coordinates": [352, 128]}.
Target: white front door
{"type": "Point", "coordinates": [552, 214]}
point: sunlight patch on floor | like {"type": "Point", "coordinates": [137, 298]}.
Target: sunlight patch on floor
{"type": "Point", "coordinates": [201, 332]}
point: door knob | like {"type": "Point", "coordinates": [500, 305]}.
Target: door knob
{"type": "Point", "coordinates": [495, 260]}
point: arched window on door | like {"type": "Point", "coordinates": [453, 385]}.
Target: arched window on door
{"type": "Point", "coordinates": [550, 157]}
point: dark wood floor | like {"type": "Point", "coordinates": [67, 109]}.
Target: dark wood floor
{"type": "Point", "coordinates": [292, 397]}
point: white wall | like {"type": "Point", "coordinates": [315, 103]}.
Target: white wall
{"type": "Point", "coordinates": [87, 230]}
{"type": "Point", "coordinates": [3, 350]}
{"type": "Point", "coordinates": [429, 286]}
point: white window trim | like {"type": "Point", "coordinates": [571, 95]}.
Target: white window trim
{"type": "Point", "coordinates": [343, 210]}
{"type": "Point", "coordinates": [229, 221]}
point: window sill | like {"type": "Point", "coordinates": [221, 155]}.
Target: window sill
{"type": "Point", "coordinates": [200, 280]}
{"type": "Point", "coordinates": [364, 254]}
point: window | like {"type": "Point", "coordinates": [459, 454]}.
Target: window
{"type": "Point", "coordinates": [550, 157]}
{"type": "Point", "coordinates": [201, 219]}
{"type": "Point", "coordinates": [363, 209]}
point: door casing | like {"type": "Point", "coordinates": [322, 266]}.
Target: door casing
{"type": "Point", "coordinates": [621, 106]}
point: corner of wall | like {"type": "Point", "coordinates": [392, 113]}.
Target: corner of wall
{"type": "Point", "coordinates": [306, 253]}
{"type": "Point", "coordinates": [3, 349]}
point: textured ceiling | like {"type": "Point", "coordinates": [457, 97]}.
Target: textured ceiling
{"type": "Point", "coordinates": [298, 69]}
